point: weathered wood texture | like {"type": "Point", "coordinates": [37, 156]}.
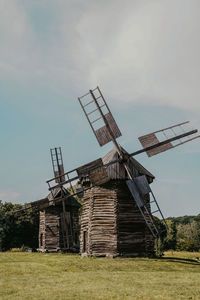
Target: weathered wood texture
{"type": "Point", "coordinates": [134, 237]}
{"type": "Point", "coordinates": [89, 167]}
{"type": "Point", "coordinates": [102, 133]}
{"type": "Point", "coordinates": [53, 235]}
{"type": "Point", "coordinates": [98, 223]}
{"type": "Point", "coordinates": [151, 139]}
{"type": "Point", "coordinates": [117, 170]}
{"type": "Point", "coordinates": [111, 223]}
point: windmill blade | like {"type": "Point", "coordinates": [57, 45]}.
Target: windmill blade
{"type": "Point", "coordinates": [99, 117]}
{"type": "Point", "coordinates": [164, 139]}
{"type": "Point", "coordinates": [57, 163]}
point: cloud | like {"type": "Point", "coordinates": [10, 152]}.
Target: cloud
{"type": "Point", "coordinates": [138, 51]}
{"type": "Point", "coordinates": [16, 40]}
{"type": "Point", "coordinates": [27, 58]}
{"type": "Point", "coordinates": [152, 57]}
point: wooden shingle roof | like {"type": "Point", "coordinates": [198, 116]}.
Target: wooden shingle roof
{"type": "Point", "coordinates": [58, 196]}
{"type": "Point", "coordinates": [117, 171]}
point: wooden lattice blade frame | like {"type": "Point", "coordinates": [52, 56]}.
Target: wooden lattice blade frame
{"type": "Point", "coordinates": [107, 129]}
{"type": "Point", "coordinates": [57, 163]}
{"type": "Point", "coordinates": [153, 145]}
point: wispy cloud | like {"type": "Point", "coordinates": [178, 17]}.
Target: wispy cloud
{"type": "Point", "coordinates": [150, 58]}
{"type": "Point", "coordinates": [136, 53]}
{"type": "Point", "coordinates": [134, 50]}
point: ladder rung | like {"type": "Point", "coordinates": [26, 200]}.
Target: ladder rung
{"type": "Point", "coordinates": [92, 101]}
{"type": "Point", "coordinates": [88, 103]}
{"type": "Point", "coordinates": [94, 110]}
{"type": "Point", "coordinates": [84, 95]}
{"type": "Point", "coordinates": [155, 211]}
{"type": "Point", "coordinates": [96, 120]}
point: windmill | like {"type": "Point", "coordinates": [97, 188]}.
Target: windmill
{"type": "Point", "coordinates": [58, 229]}
{"type": "Point", "coordinates": [58, 213]}
{"type": "Point", "coordinates": [106, 182]}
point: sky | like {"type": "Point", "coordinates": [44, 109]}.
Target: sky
{"type": "Point", "coordinates": [144, 55]}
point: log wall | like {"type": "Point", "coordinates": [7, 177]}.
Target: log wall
{"type": "Point", "coordinates": [98, 223]}
{"type": "Point", "coordinates": [134, 237]}
{"type": "Point", "coordinates": [111, 223]}
{"type": "Point", "coordinates": [51, 232]}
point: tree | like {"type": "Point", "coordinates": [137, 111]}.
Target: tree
{"type": "Point", "coordinates": [169, 241]}
{"type": "Point", "coordinates": [188, 236]}
{"type": "Point", "coordinates": [17, 230]}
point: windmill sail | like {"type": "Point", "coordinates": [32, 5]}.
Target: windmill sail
{"type": "Point", "coordinates": [167, 138]}
{"type": "Point", "coordinates": [99, 116]}
{"type": "Point", "coordinates": [57, 163]}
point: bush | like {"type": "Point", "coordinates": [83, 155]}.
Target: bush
{"type": "Point", "coordinates": [17, 230]}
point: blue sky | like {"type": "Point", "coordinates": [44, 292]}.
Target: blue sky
{"type": "Point", "coordinates": [144, 55]}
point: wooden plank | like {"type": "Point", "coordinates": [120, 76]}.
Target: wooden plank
{"type": "Point", "coordinates": [150, 140]}
{"type": "Point", "coordinates": [85, 169]}
{"type": "Point", "coordinates": [99, 177]}
{"type": "Point", "coordinates": [103, 135]}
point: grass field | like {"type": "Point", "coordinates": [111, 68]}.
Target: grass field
{"type": "Point", "coordinates": [57, 276]}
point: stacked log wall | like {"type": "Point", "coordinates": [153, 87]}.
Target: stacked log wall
{"type": "Point", "coordinates": [52, 232]}
{"type": "Point", "coordinates": [113, 223]}
{"type": "Point", "coordinates": [99, 223]}
{"type": "Point", "coordinates": [134, 237]}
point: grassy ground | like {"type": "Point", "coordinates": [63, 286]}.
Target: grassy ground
{"type": "Point", "coordinates": [56, 276]}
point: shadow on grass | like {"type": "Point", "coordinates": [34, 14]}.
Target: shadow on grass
{"type": "Point", "coordinates": [181, 260]}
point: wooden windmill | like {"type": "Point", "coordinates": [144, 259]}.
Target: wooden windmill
{"type": "Point", "coordinates": [59, 226]}
{"type": "Point", "coordinates": [119, 205]}
{"type": "Point", "coordinates": [59, 214]}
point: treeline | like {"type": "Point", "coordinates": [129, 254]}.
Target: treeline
{"type": "Point", "coordinates": [21, 229]}
{"type": "Point", "coordinates": [183, 234]}
{"type": "Point", "coordinates": [17, 230]}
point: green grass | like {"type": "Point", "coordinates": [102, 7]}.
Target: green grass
{"type": "Point", "coordinates": [56, 276]}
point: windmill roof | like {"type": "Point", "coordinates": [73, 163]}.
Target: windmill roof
{"type": "Point", "coordinates": [57, 195]}
{"type": "Point", "coordinates": [117, 171]}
